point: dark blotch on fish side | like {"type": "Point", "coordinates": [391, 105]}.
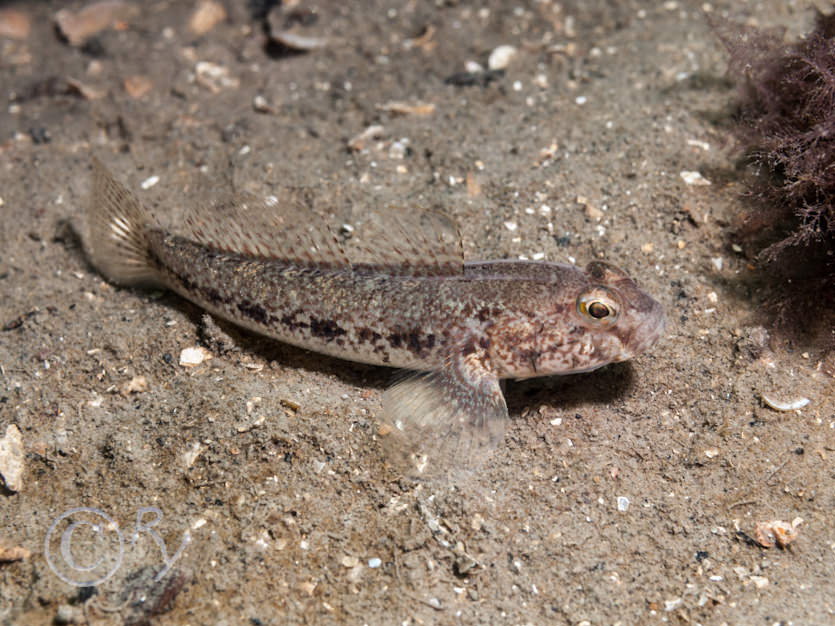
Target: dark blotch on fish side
{"type": "Point", "coordinates": [368, 335]}
{"type": "Point", "coordinates": [254, 311]}
{"type": "Point", "coordinates": [326, 329]}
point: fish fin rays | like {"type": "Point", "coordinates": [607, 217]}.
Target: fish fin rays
{"type": "Point", "coordinates": [444, 423]}
{"type": "Point", "coordinates": [399, 241]}
{"type": "Point", "coordinates": [115, 239]}
{"type": "Point", "coordinates": [411, 241]}
{"type": "Point", "coordinates": [275, 228]}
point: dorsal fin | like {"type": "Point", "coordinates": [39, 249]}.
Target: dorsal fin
{"type": "Point", "coordinates": [409, 242]}
{"type": "Point", "coordinates": [285, 229]}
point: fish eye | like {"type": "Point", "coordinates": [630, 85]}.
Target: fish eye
{"type": "Point", "coordinates": [598, 305]}
{"type": "Point", "coordinates": [598, 309]}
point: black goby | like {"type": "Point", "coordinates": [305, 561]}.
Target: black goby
{"type": "Point", "coordinates": [462, 326]}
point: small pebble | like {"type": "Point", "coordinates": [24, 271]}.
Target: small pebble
{"type": "Point", "coordinates": [594, 213]}
{"type": "Point", "coordinates": [374, 562]}
{"type": "Point", "coordinates": [79, 26]}
{"type": "Point", "coordinates": [149, 182]}
{"type": "Point", "coordinates": [11, 458]}
{"type": "Point", "coordinates": [623, 504]}
{"type": "Point", "coordinates": [68, 614]}
{"type": "Point", "coordinates": [10, 553]}
{"type": "Point", "coordinates": [137, 384]}
{"type": "Point", "coordinates": [138, 86]}
{"type": "Point", "coordinates": [760, 581]}
{"type": "Point", "coordinates": [699, 144]}
{"type": "Point", "coordinates": [473, 68]}
{"type": "Point", "coordinates": [14, 24]}
{"type": "Point", "coordinates": [206, 16]}
{"type": "Point", "coordinates": [511, 226]}
{"type": "Point", "coordinates": [350, 561]}
{"type": "Point", "coordinates": [262, 105]}
{"type": "Point", "coordinates": [501, 57]}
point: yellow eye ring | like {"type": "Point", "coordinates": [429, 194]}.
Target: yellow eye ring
{"type": "Point", "coordinates": [598, 306]}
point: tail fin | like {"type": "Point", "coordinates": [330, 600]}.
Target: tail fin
{"type": "Point", "coordinates": [116, 239]}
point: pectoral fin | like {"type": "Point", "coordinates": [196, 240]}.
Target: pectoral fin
{"type": "Point", "coordinates": [445, 422]}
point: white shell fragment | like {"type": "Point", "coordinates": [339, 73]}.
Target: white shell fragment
{"type": "Point", "coordinates": [194, 356]}
{"type": "Point", "coordinates": [11, 458]}
{"type": "Point", "coordinates": [299, 42]}
{"type": "Point", "coordinates": [358, 142]}
{"type": "Point", "coordinates": [694, 178]}
{"type": "Point", "coordinates": [214, 77]}
{"type": "Point", "coordinates": [191, 453]}
{"type": "Point", "coordinates": [149, 182]}
{"type": "Point", "coordinates": [501, 57]}
{"type": "Point", "coordinates": [791, 405]}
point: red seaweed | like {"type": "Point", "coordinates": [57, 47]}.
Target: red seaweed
{"type": "Point", "coordinates": [785, 125]}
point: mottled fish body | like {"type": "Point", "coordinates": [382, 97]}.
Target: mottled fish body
{"type": "Point", "coordinates": [415, 304]}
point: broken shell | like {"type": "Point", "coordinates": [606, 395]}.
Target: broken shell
{"type": "Point", "coordinates": [85, 91]}
{"type": "Point", "coordinates": [792, 405]}
{"type": "Point", "coordinates": [295, 29]}
{"type": "Point", "coordinates": [694, 178]}
{"type": "Point", "coordinates": [776, 532]}
{"type": "Point", "coordinates": [419, 108]}
{"type": "Point", "coordinates": [358, 142]}
{"type": "Point", "coordinates": [192, 357]}
{"type": "Point", "coordinates": [214, 77]}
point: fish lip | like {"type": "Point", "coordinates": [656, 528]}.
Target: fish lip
{"type": "Point", "coordinates": [650, 334]}
{"type": "Point", "coordinates": [647, 334]}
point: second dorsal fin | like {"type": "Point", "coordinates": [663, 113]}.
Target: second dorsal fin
{"type": "Point", "coordinates": [410, 242]}
{"type": "Point", "coordinates": [284, 229]}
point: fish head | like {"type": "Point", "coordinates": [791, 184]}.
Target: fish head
{"type": "Point", "coordinates": [603, 318]}
{"type": "Point", "coordinates": [622, 320]}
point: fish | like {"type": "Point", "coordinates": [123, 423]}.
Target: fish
{"type": "Point", "coordinates": [404, 297]}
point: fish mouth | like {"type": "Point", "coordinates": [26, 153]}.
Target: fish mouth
{"type": "Point", "coordinates": [648, 333]}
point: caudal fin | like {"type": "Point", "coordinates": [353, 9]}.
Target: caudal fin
{"type": "Point", "coordinates": [116, 239]}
